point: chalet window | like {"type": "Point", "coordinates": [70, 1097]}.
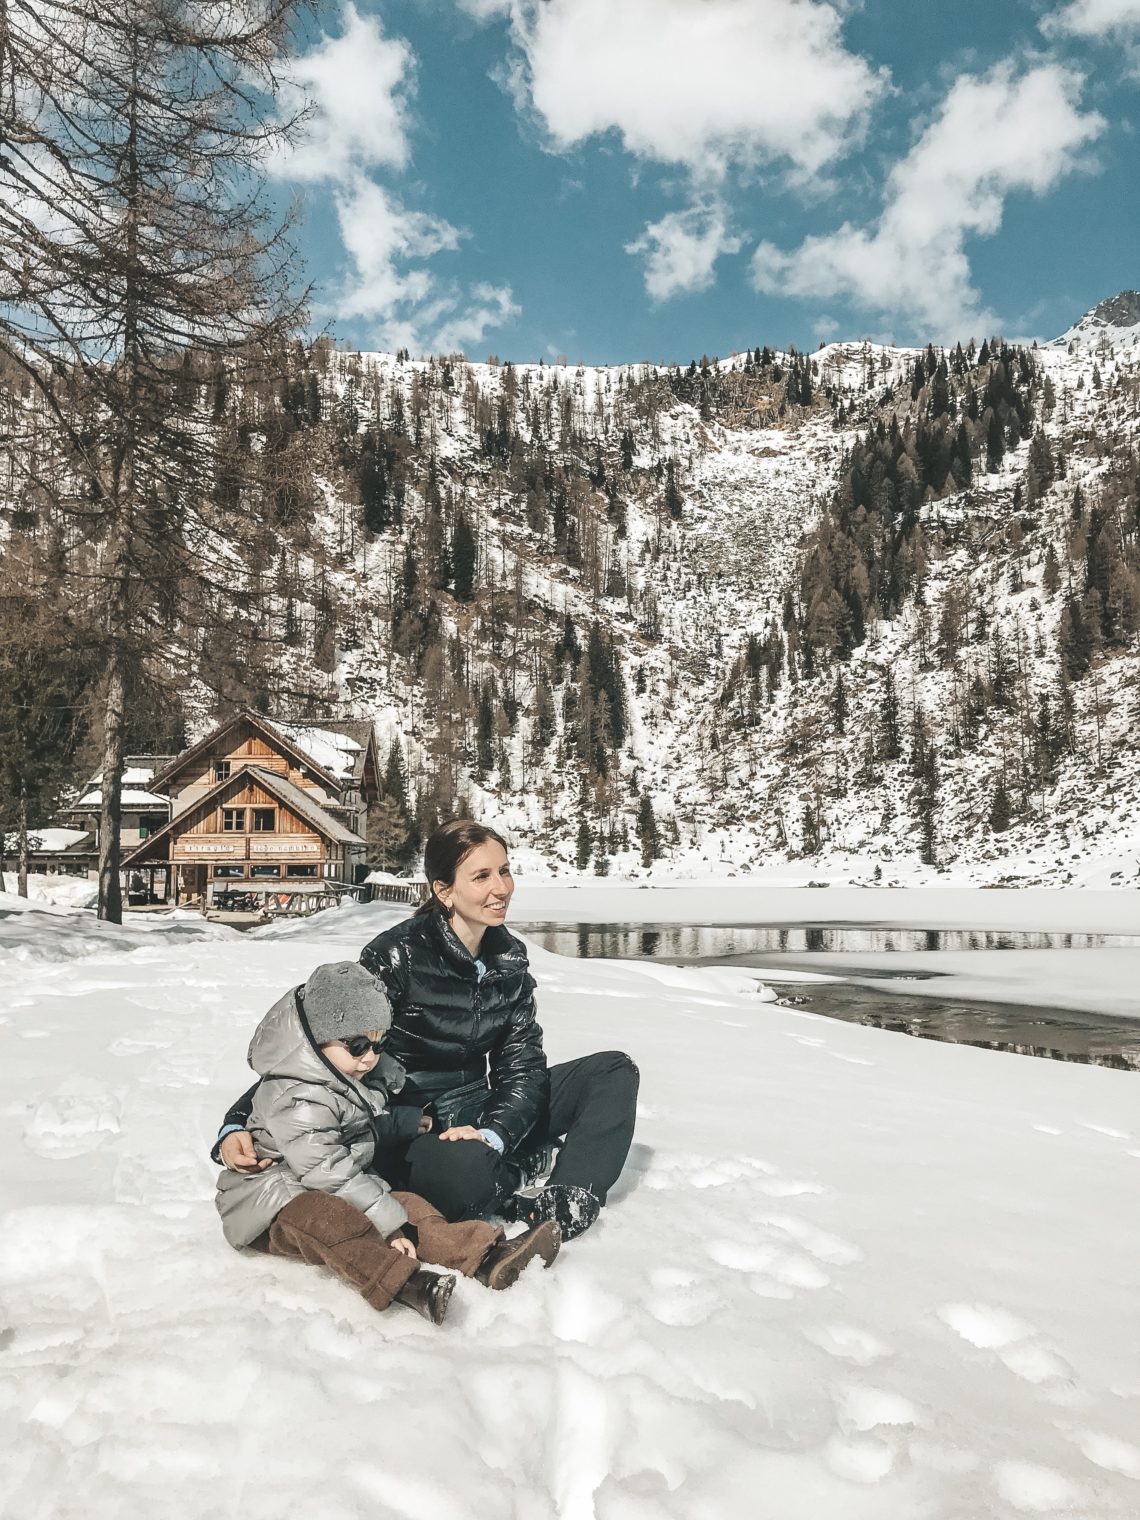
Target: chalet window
{"type": "Point", "coordinates": [264, 871]}
{"type": "Point", "coordinates": [229, 871]}
{"type": "Point", "coordinates": [300, 870]}
{"type": "Point", "coordinates": [233, 820]}
{"type": "Point", "coordinates": [221, 770]}
{"type": "Point", "coordinates": [264, 820]}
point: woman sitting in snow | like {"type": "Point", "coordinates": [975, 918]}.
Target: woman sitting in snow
{"type": "Point", "coordinates": [464, 1029]}
{"type": "Point", "coordinates": [315, 1116]}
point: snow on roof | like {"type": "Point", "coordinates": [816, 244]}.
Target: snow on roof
{"type": "Point", "coordinates": [136, 776]}
{"type": "Point", "coordinates": [386, 879]}
{"type": "Point", "coordinates": [51, 841]}
{"type": "Point", "coordinates": [333, 752]}
{"type": "Point", "coordinates": [133, 797]}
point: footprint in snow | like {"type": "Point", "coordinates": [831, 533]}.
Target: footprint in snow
{"type": "Point", "coordinates": [672, 1170]}
{"type": "Point", "coordinates": [775, 1271]}
{"type": "Point", "coordinates": [813, 1240]}
{"type": "Point", "coordinates": [581, 1311]}
{"type": "Point", "coordinates": [847, 1343]}
{"type": "Point", "coordinates": [680, 1298]}
{"type": "Point", "coordinates": [133, 1046]}
{"type": "Point", "coordinates": [1103, 1129]}
{"type": "Point", "coordinates": [1034, 1490]}
{"type": "Point", "coordinates": [1014, 1341]}
{"type": "Point", "coordinates": [863, 1408]}
{"type": "Point", "coordinates": [177, 1070]}
{"type": "Point", "coordinates": [73, 1121]}
{"type": "Point", "coordinates": [1110, 1453]}
{"type": "Point", "coordinates": [860, 1459]}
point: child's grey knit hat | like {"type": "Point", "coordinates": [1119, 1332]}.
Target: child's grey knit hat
{"type": "Point", "coordinates": [341, 999]}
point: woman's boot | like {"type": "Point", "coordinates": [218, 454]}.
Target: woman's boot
{"type": "Point", "coordinates": [503, 1262]}
{"type": "Point", "coordinates": [428, 1293]}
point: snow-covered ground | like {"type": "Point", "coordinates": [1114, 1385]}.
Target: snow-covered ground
{"type": "Point", "coordinates": [846, 1275]}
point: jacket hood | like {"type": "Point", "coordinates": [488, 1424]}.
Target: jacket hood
{"type": "Point", "coordinates": [281, 1048]}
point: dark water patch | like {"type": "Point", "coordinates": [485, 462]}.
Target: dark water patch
{"type": "Point", "coordinates": [1092, 1039]}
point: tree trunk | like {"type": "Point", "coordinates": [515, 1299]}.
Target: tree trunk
{"type": "Point", "coordinates": [111, 816]}
{"type": "Point", "coordinates": [22, 843]}
{"type": "Point", "coordinates": [123, 476]}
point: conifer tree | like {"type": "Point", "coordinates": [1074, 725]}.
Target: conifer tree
{"type": "Point", "coordinates": [585, 844]}
{"type": "Point", "coordinates": [891, 736]}
{"type": "Point", "coordinates": [1001, 815]}
{"type": "Point", "coordinates": [647, 833]}
{"type": "Point", "coordinates": [463, 559]}
{"type": "Point", "coordinates": [839, 703]}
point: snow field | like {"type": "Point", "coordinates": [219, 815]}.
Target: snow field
{"type": "Point", "coordinates": [845, 1274]}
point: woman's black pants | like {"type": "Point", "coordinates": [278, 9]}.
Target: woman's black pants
{"type": "Point", "coordinates": [592, 1108]}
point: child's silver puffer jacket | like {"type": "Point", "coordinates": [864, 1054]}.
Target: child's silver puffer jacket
{"type": "Point", "coordinates": [317, 1126]}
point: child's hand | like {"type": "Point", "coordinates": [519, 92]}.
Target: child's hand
{"type": "Point", "coordinates": [402, 1244]}
{"type": "Point", "coordinates": [463, 1132]}
{"type": "Point", "coordinates": [237, 1152]}
{"type": "Point", "coordinates": [425, 1124]}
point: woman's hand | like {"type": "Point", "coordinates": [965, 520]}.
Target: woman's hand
{"type": "Point", "coordinates": [425, 1124]}
{"type": "Point", "coordinates": [237, 1153]}
{"type": "Point", "coordinates": [402, 1244]}
{"type": "Point", "coordinates": [463, 1132]}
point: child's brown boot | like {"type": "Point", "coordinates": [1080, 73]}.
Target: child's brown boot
{"type": "Point", "coordinates": [503, 1262]}
{"type": "Point", "coordinates": [428, 1293]}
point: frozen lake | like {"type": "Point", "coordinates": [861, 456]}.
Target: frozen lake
{"type": "Point", "coordinates": [863, 993]}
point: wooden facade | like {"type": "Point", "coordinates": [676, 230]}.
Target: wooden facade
{"type": "Point", "coordinates": [253, 812]}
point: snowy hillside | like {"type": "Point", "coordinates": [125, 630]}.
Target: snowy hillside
{"type": "Point", "coordinates": [864, 604]}
{"type": "Point", "coordinates": [686, 592]}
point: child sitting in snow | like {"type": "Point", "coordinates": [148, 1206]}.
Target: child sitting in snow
{"type": "Point", "coordinates": [315, 1126]}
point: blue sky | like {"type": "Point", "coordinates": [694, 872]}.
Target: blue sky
{"type": "Point", "coordinates": [614, 180]}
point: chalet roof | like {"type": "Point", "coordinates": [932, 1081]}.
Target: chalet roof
{"type": "Point", "coordinates": [305, 803]}
{"type": "Point", "coordinates": [275, 733]}
{"type": "Point", "coordinates": [302, 802]}
{"type": "Point", "coordinates": [339, 747]}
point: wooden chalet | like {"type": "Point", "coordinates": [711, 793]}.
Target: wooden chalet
{"type": "Point", "coordinates": [265, 807]}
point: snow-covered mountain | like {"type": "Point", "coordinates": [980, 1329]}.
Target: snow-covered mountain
{"type": "Point", "coordinates": [651, 609]}
{"type": "Point", "coordinates": [680, 596]}
{"type": "Point", "coordinates": [1115, 322]}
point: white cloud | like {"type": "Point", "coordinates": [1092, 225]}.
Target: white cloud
{"type": "Point", "coordinates": [465, 329]}
{"type": "Point", "coordinates": [994, 135]}
{"type": "Point", "coordinates": [1095, 18]}
{"type": "Point", "coordinates": [701, 83]}
{"type": "Point", "coordinates": [389, 287]}
{"type": "Point", "coordinates": [682, 249]}
{"type": "Point", "coordinates": [357, 85]}
{"type": "Point", "coordinates": [379, 235]}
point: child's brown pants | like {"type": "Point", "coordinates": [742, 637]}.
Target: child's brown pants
{"type": "Point", "coordinates": [324, 1230]}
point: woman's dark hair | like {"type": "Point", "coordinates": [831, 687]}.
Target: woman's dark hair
{"type": "Point", "coordinates": [446, 851]}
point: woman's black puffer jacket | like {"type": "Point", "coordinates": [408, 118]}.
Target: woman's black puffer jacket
{"type": "Point", "coordinates": [471, 1046]}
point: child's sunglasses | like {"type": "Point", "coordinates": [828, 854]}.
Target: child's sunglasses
{"type": "Point", "coordinates": [359, 1044]}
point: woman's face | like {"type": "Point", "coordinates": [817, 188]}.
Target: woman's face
{"type": "Point", "coordinates": [481, 893]}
